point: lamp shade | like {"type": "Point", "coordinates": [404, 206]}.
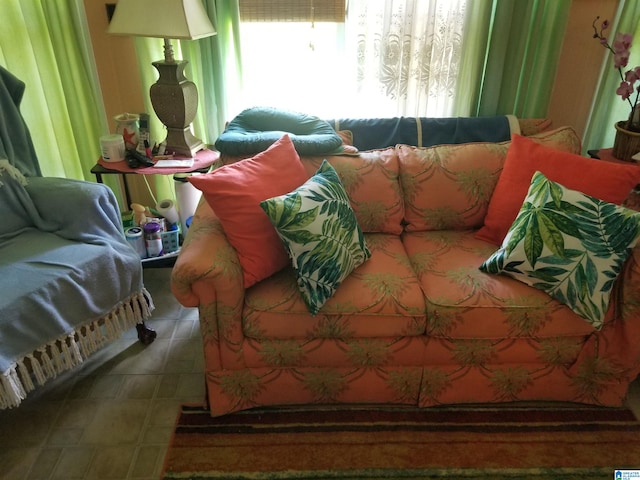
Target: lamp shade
{"type": "Point", "coordinates": [178, 19]}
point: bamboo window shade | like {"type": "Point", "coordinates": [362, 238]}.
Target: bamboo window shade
{"type": "Point", "coordinates": [292, 10]}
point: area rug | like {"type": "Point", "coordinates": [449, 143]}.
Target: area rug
{"type": "Point", "coordinates": [509, 441]}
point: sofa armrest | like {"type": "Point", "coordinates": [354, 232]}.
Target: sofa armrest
{"type": "Point", "coordinates": [612, 355]}
{"type": "Point", "coordinates": [629, 286]}
{"type": "Point", "coordinates": [77, 210]}
{"type": "Point", "coordinates": [207, 274]}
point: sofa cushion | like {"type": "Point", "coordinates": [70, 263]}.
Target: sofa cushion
{"type": "Point", "coordinates": [234, 193]}
{"type": "Point", "coordinates": [608, 181]}
{"type": "Point", "coordinates": [381, 298]}
{"type": "Point", "coordinates": [449, 186]}
{"type": "Point", "coordinates": [464, 303]}
{"type": "Point", "coordinates": [320, 233]}
{"type": "Point", "coordinates": [372, 181]}
{"type": "Point", "coordinates": [569, 245]}
{"type": "Point", "coordinates": [534, 126]}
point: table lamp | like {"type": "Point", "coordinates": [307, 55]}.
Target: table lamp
{"type": "Point", "coordinates": [174, 98]}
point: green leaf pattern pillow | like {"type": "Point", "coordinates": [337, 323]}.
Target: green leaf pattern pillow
{"type": "Point", "coordinates": [321, 235]}
{"type": "Point", "coordinates": [568, 244]}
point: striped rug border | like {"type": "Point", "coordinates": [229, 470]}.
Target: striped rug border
{"type": "Point", "coordinates": [472, 419]}
{"type": "Point", "coordinates": [347, 420]}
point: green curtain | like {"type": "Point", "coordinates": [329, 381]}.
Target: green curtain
{"type": "Point", "coordinates": [510, 54]}
{"type": "Point", "coordinates": [607, 107]}
{"type": "Point", "coordinates": [214, 66]}
{"type": "Point", "coordinates": [46, 44]}
{"type": "Point", "coordinates": [219, 76]}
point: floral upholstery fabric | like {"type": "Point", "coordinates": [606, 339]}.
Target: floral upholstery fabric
{"type": "Point", "coordinates": [450, 186]}
{"type": "Point", "coordinates": [441, 191]}
{"type": "Point", "coordinates": [417, 324]}
{"type": "Point", "coordinates": [381, 298]}
{"type": "Point", "coordinates": [371, 181]}
{"type": "Point", "coordinates": [533, 126]}
{"type": "Point", "coordinates": [464, 303]}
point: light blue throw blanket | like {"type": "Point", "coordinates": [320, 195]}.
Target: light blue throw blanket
{"type": "Point", "coordinates": [69, 280]}
{"type": "Point", "coordinates": [65, 268]}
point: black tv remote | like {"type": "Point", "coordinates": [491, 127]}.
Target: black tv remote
{"type": "Point", "coordinates": [136, 159]}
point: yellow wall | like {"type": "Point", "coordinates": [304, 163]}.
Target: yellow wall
{"type": "Point", "coordinates": [580, 63]}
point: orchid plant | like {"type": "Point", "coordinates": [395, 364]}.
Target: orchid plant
{"type": "Point", "coordinates": [621, 51]}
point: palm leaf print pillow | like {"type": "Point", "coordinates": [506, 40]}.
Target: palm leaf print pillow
{"type": "Point", "coordinates": [320, 233]}
{"type": "Point", "coordinates": [568, 244]}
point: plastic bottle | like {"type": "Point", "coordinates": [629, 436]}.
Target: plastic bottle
{"type": "Point", "coordinates": [153, 239]}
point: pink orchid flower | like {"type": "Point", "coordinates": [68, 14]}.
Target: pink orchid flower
{"type": "Point", "coordinates": [620, 49]}
{"type": "Point", "coordinates": [632, 75]}
{"type": "Point", "coordinates": [624, 90]}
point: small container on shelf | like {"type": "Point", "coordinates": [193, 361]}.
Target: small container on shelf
{"type": "Point", "coordinates": [134, 236]}
{"type": "Point", "coordinates": [153, 239]}
{"type": "Point", "coordinates": [171, 239]}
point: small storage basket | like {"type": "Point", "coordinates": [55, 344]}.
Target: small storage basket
{"type": "Point", "coordinates": [170, 241]}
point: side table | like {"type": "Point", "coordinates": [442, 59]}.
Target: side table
{"type": "Point", "coordinates": [202, 163]}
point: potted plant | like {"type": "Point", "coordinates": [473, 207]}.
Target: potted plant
{"type": "Point", "coordinates": [627, 141]}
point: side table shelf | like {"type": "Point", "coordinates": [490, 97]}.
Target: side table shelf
{"type": "Point", "coordinates": [164, 261]}
{"type": "Point", "coordinates": [203, 160]}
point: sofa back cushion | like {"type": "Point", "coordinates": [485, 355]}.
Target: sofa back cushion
{"type": "Point", "coordinates": [450, 186]}
{"type": "Point", "coordinates": [371, 179]}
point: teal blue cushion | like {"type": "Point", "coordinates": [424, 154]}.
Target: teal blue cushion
{"type": "Point", "coordinates": [256, 129]}
{"type": "Point", "coordinates": [321, 235]}
{"type": "Point", "coordinates": [568, 244]}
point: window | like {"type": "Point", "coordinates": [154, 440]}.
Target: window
{"type": "Point", "coordinates": [389, 58]}
{"type": "Point", "coordinates": [295, 66]}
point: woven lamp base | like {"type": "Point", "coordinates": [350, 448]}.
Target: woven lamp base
{"type": "Point", "coordinates": [626, 143]}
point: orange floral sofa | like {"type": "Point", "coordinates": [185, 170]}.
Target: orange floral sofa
{"type": "Point", "coordinates": [418, 323]}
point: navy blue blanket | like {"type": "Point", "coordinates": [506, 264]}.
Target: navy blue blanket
{"type": "Point", "coordinates": [374, 133]}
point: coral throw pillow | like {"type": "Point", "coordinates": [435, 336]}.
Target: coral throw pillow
{"type": "Point", "coordinates": [234, 193]}
{"type": "Point", "coordinates": [607, 181]}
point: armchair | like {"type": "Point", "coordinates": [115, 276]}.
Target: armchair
{"type": "Point", "coordinates": [70, 281]}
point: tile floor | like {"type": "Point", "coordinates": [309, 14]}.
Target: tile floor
{"type": "Point", "coordinates": [112, 417]}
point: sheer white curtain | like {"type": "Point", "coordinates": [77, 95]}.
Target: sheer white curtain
{"type": "Point", "coordinates": [408, 55]}
{"type": "Point", "coordinates": [389, 58]}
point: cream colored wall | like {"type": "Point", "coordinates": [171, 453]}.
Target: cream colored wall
{"type": "Point", "coordinates": [575, 83]}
